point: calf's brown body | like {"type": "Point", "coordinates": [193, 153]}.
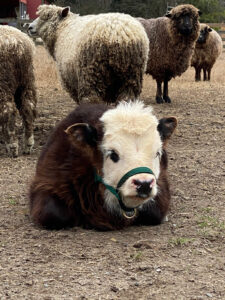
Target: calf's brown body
{"type": "Point", "coordinates": [64, 192]}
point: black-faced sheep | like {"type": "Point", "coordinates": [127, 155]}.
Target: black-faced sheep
{"type": "Point", "coordinates": [171, 44]}
{"type": "Point", "coordinates": [103, 168]}
{"type": "Point", "coordinates": [17, 89]}
{"type": "Point", "coordinates": [99, 57]}
{"type": "Point", "coordinates": [207, 49]}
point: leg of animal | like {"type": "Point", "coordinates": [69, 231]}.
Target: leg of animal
{"type": "Point", "coordinates": [150, 214]}
{"type": "Point", "coordinates": [205, 74]}
{"type": "Point", "coordinates": [165, 92]}
{"type": "Point", "coordinates": [209, 74]}
{"type": "Point", "coordinates": [158, 97]}
{"type": "Point", "coordinates": [197, 74]}
{"type": "Point", "coordinates": [8, 113]}
{"type": "Point", "coordinates": [27, 108]}
{"type": "Point", "coordinates": [49, 212]}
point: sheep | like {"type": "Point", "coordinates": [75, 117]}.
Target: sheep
{"type": "Point", "coordinates": [207, 49]}
{"type": "Point", "coordinates": [171, 44]}
{"type": "Point", "coordinates": [99, 57]}
{"type": "Point", "coordinates": [17, 87]}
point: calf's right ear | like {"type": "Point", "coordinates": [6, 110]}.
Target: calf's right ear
{"type": "Point", "coordinates": [166, 127]}
{"type": "Point", "coordinates": [82, 134]}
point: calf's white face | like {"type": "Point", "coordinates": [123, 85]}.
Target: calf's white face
{"type": "Point", "coordinates": [131, 140]}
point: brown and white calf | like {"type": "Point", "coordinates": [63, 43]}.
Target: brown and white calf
{"type": "Point", "coordinates": [103, 168]}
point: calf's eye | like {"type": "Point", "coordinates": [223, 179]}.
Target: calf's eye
{"type": "Point", "coordinates": [114, 156]}
{"type": "Point", "coordinates": [158, 154]}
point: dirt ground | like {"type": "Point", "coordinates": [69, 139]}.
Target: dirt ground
{"type": "Point", "coordinates": [183, 258]}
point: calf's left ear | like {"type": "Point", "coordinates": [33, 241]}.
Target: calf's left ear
{"type": "Point", "coordinates": [166, 127]}
{"type": "Point", "coordinates": [82, 134]}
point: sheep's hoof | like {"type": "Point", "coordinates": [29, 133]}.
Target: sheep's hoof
{"type": "Point", "coordinates": [12, 149]}
{"type": "Point", "coordinates": [159, 100]}
{"type": "Point", "coordinates": [167, 99]}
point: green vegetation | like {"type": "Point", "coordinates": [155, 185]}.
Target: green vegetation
{"type": "Point", "coordinates": [12, 202]}
{"type": "Point", "coordinates": [138, 255]}
{"type": "Point", "coordinates": [213, 11]}
{"type": "Point", "coordinates": [207, 221]}
{"type": "Point", "coordinates": [180, 241]}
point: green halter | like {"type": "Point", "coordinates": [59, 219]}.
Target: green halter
{"type": "Point", "coordinates": [115, 191]}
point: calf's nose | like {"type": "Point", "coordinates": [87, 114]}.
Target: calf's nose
{"type": "Point", "coordinates": [143, 188]}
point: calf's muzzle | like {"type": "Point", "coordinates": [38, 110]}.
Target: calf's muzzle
{"type": "Point", "coordinates": [143, 188]}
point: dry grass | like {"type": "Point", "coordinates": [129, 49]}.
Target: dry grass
{"type": "Point", "coordinates": [45, 69]}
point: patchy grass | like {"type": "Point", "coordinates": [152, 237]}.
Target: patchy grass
{"type": "Point", "coordinates": [180, 241]}
{"type": "Point", "coordinates": [12, 202]}
{"type": "Point", "coordinates": [207, 221]}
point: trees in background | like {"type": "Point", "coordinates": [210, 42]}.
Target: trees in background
{"type": "Point", "coordinates": [213, 10]}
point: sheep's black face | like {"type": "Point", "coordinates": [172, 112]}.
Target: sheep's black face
{"type": "Point", "coordinates": [185, 24]}
{"type": "Point", "coordinates": [203, 35]}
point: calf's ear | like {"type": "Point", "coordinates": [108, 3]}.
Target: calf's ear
{"type": "Point", "coordinates": [166, 127]}
{"type": "Point", "coordinates": [82, 134]}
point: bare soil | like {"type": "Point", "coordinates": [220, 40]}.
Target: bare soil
{"type": "Point", "coordinates": [183, 258]}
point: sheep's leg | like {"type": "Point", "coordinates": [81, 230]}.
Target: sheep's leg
{"type": "Point", "coordinates": [8, 121]}
{"type": "Point", "coordinates": [209, 74]}
{"type": "Point", "coordinates": [165, 92]}
{"type": "Point", "coordinates": [158, 97]}
{"type": "Point", "coordinates": [197, 74]}
{"type": "Point", "coordinates": [27, 108]}
{"type": "Point", "coordinates": [205, 74]}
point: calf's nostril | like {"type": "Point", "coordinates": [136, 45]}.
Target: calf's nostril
{"type": "Point", "coordinates": [144, 188]}
{"type": "Point", "coordinates": [136, 182]}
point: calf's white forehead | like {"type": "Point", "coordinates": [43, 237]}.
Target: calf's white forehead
{"type": "Point", "coordinates": [130, 119]}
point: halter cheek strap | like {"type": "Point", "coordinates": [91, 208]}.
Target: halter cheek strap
{"type": "Point", "coordinates": [115, 191]}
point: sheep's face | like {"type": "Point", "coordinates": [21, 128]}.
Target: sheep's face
{"type": "Point", "coordinates": [48, 20]}
{"type": "Point", "coordinates": [185, 18]}
{"type": "Point", "coordinates": [204, 33]}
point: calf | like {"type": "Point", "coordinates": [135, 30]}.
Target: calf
{"type": "Point", "coordinates": [103, 168]}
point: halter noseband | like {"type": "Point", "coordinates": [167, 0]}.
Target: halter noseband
{"type": "Point", "coordinates": [116, 192]}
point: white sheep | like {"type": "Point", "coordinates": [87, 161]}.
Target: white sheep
{"type": "Point", "coordinates": [17, 89]}
{"type": "Point", "coordinates": [207, 49]}
{"type": "Point", "coordinates": [99, 57]}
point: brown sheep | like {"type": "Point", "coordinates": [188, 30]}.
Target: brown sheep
{"type": "Point", "coordinates": [17, 89]}
{"type": "Point", "coordinates": [80, 180]}
{"type": "Point", "coordinates": [171, 44]}
{"type": "Point", "coordinates": [207, 49]}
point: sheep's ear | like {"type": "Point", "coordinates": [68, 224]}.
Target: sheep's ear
{"type": "Point", "coordinates": [168, 15]}
{"type": "Point", "coordinates": [209, 29]}
{"type": "Point", "coordinates": [166, 127]}
{"type": "Point", "coordinates": [82, 134]}
{"type": "Point", "coordinates": [199, 13]}
{"type": "Point", "coordinates": [65, 11]}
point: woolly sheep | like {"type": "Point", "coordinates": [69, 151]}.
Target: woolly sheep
{"type": "Point", "coordinates": [17, 89]}
{"type": "Point", "coordinates": [207, 49]}
{"type": "Point", "coordinates": [99, 57]}
{"type": "Point", "coordinates": [171, 44]}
